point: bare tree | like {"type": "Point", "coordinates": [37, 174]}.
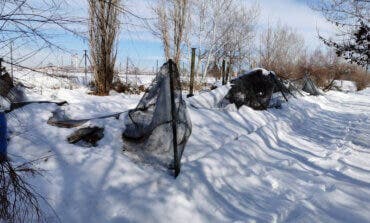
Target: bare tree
{"type": "Point", "coordinates": [34, 24]}
{"type": "Point", "coordinates": [206, 16]}
{"type": "Point", "coordinates": [280, 50]}
{"type": "Point", "coordinates": [170, 26]}
{"type": "Point", "coordinates": [351, 19]}
{"type": "Point", "coordinates": [222, 28]}
{"type": "Point", "coordinates": [237, 43]}
{"type": "Point", "coordinates": [103, 30]}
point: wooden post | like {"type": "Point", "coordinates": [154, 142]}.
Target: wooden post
{"type": "Point", "coordinates": [227, 72]}
{"type": "Point", "coordinates": [1, 66]}
{"type": "Point", "coordinates": [174, 119]}
{"type": "Point", "coordinates": [191, 85]}
{"type": "Point", "coordinates": [223, 71]}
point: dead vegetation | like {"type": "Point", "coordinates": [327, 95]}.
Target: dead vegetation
{"type": "Point", "coordinates": [87, 136]}
{"type": "Point", "coordinates": [19, 200]}
{"type": "Point", "coordinates": [128, 88]}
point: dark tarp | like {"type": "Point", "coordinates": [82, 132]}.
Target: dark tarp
{"type": "Point", "coordinates": [160, 115]}
{"type": "Point", "coordinates": [255, 89]}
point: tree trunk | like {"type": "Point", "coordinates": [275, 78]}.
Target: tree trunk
{"type": "Point", "coordinates": [103, 31]}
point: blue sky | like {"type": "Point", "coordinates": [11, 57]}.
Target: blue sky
{"type": "Point", "coordinates": [143, 49]}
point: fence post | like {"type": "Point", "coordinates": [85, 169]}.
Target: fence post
{"type": "Point", "coordinates": [227, 72]}
{"type": "Point", "coordinates": [174, 119]}
{"type": "Point", "coordinates": [223, 71]}
{"type": "Point", "coordinates": [191, 85]}
{"type": "Point", "coordinates": [1, 66]}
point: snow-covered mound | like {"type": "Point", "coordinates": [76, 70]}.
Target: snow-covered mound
{"type": "Point", "coordinates": [210, 99]}
{"type": "Point", "coordinates": [264, 71]}
{"type": "Point", "coordinates": [306, 162]}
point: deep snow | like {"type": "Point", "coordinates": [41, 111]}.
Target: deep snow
{"type": "Point", "coordinates": [306, 162]}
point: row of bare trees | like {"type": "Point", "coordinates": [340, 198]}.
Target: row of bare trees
{"type": "Point", "coordinates": [280, 49]}
{"type": "Point", "coordinates": [170, 26]}
{"type": "Point", "coordinates": [222, 29]}
{"type": "Point", "coordinates": [284, 51]}
{"type": "Point", "coordinates": [219, 29]}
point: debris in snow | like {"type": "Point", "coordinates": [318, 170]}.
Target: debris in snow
{"type": "Point", "coordinates": [309, 86]}
{"type": "Point", "coordinates": [160, 116]}
{"type": "Point", "coordinates": [120, 87]}
{"type": "Point", "coordinates": [88, 136]}
{"type": "Point", "coordinates": [6, 84]}
{"type": "Point", "coordinates": [60, 119]}
{"type": "Point", "coordinates": [255, 89]}
{"type": "Point", "coordinates": [17, 105]}
{"type": "Point", "coordinates": [9, 93]}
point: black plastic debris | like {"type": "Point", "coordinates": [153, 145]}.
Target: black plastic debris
{"type": "Point", "coordinates": [160, 117]}
{"type": "Point", "coordinates": [86, 136]}
{"type": "Point", "coordinates": [255, 89]}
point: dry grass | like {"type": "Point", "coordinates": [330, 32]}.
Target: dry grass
{"type": "Point", "coordinates": [361, 79]}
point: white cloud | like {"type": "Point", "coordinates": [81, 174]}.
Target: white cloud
{"type": "Point", "coordinates": [297, 15]}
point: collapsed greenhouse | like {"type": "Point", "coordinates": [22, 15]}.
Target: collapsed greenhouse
{"type": "Point", "coordinates": [259, 89]}
{"type": "Point", "coordinates": [309, 86]}
{"type": "Point", "coordinates": [159, 127]}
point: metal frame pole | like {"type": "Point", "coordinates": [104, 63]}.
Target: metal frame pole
{"type": "Point", "coordinates": [174, 118]}
{"type": "Point", "coordinates": [85, 55]}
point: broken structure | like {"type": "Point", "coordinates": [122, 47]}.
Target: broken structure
{"type": "Point", "coordinates": [159, 127]}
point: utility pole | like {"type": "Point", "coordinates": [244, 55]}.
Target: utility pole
{"type": "Point", "coordinates": [157, 67]}
{"type": "Point", "coordinates": [126, 70]}
{"type": "Point", "coordinates": [85, 57]}
{"type": "Point", "coordinates": [191, 86]}
{"type": "Point", "coordinates": [11, 60]}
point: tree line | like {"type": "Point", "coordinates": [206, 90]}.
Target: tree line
{"type": "Point", "coordinates": [219, 29]}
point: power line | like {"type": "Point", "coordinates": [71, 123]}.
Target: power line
{"type": "Point", "coordinates": [34, 70]}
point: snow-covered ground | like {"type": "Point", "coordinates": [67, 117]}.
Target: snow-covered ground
{"type": "Point", "coordinates": [306, 162]}
{"type": "Point", "coordinates": [347, 86]}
